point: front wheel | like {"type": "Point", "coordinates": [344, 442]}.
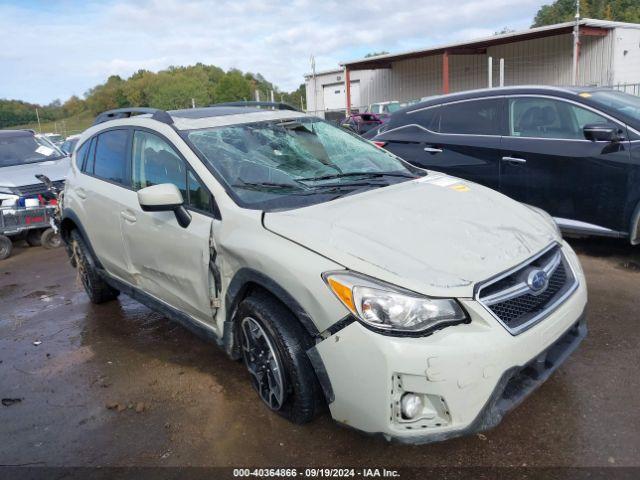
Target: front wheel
{"type": "Point", "coordinates": [6, 246]}
{"type": "Point", "coordinates": [274, 348]}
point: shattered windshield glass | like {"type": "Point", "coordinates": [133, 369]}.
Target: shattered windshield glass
{"type": "Point", "coordinates": [20, 149]}
{"type": "Point", "coordinates": [272, 163]}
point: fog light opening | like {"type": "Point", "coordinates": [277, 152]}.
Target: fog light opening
{"type": "Point", "coordinates": [411, 405]}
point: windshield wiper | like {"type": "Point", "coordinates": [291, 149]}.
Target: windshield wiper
{"type": "Point", "coordinates": [268, 185]}
{"type": "Point", "coordinates": [358, 174]}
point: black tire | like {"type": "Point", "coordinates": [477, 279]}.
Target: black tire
{"type": "Point", "coordinates": [97, 289]}
{"type": "Point", "coordinates": [34, 238]}
{"type": "Point", "coordinates": [50, 239]}
{"type": "Point", "coordinates": [6, 246]}
{"type": "Point", "coordinates": [302, 398]}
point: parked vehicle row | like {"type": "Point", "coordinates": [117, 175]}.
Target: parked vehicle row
{"type": "Point", "coordinates": [574, 152]}
{"type": "Point", "coordinates": [415, 305]}
{"type": "Point", "coordinates": [27, 205]}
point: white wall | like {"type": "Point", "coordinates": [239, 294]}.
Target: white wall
{"type": "Point", "coordinates": [626, 56]}
{"type": "Point", "coordinates": [543, 61]}
{"type": "Point", "coordinates": [327, 84]}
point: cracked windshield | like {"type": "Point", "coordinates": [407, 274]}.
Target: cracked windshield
{"type": "Point", "coordinates": [296, 162]}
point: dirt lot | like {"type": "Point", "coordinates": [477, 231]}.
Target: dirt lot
{"type": "Point", "coordinates": [119, 385]}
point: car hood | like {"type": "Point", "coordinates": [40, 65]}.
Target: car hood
{"type": "Point", "coordinates": [437, 235]}
{"type": "Point", "coordinates": [19, 175]}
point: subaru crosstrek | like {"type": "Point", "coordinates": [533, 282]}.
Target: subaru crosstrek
{"type": "Point", "coordinates": [414, 304]}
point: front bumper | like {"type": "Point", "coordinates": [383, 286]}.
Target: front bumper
{"type": "Point", "coordinates": [469, 375]}
{"type": "Point", "coordinates": [514, 386]}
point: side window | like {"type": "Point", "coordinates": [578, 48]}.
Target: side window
{"type": "Point", "coordinates": [585, 117]}
{"type": "Point", "coordinates": [199, 196]}
{"type": "Point", "coordinates": [111, 156]}
{"type": "Point", "coordinates": [548, 118]}
{"type": "Point", "coordinates": [426, 118]}
{"type": "Point", "coordinates": [81, 153]}
{"type": "Point", "coordinates": [156, 162]}
{"type": "Point", "coordinates": [91, 156]}
{"type": "Point", "coordinates": [476, 117]}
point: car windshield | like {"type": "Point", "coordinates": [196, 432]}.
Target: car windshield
{"type": "Point", "coordinates": [393, 107]}
{"type": "Point", "coordinates": [21, 149]}
{"type": "Point", "coordinates": [291, 163]}
{"type": "Point", "coordinates": [69, 145]}
{"type": "Point", "coordinates": [628, 105]}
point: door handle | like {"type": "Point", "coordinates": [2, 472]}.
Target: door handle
{"type": "Point", "coordinates": [129, 217]}
{"type": "Point", "coordinates": [81, 193]}
{"type": "Point", "coordinates": [514, 160]}
{"type": "Point", "coordinates": [432, 150]}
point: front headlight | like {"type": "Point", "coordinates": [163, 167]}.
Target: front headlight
{"type": "Point", "coordinates": [390, 308]}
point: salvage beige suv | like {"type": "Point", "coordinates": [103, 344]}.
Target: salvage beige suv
{"type": "Point", "coordinates": [415, 305]}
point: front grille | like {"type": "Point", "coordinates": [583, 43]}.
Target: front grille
{"type": "Point", "coordinates": [35, 189]}
{"type": "Point", "coordinates": [511, 298]}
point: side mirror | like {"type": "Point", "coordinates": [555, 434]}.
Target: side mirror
{"type": "Point", "coordinates": [164, 198]}
{"type": "Point", "coordinates": [601, 132]}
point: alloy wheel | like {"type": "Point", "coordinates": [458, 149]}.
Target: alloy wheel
{"type": "Point", "coordinates": [261, 359]}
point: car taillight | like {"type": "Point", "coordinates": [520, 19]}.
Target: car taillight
{"type": "Point", "coordinates": [379, 144]}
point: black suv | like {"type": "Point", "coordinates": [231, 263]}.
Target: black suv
{"type": "Point", "coordinates": [574, 152]}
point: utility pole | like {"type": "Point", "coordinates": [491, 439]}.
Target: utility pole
{"type": "Point", "coordinates": [272, 97]}
{"type": "Point", "coordinates": [257, 95]}
{"type": "Point", "coordinates": [193, 103]}
{"type": "Point", "coordinates": [38, 117]}
{"type": "Point", "coordinates": [490, 71]}
{"type": "Point", "coordinates": [315, 86]}
{"type": "Point", "coordinates": [576, 43]}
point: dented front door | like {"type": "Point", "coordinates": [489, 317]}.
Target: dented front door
{"type": "Point", "coordinates": [173, 263]}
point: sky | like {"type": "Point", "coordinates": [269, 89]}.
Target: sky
{"type": "Point", "coordinates": [54, 49]}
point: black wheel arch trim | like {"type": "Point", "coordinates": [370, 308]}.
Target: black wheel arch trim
{"type": "Point", "coordinates": [244, 278]}
{"type": "Point", "coordinates": [69, 215]}
{"type": "Point", "coordinates": [321, 374]}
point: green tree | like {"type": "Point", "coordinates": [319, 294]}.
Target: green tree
{"type": "Point", "coordinates": [233, 87]}
{"type": "Point", "coordinates": [171, 88]}
{"type": "Point", "coordinates": [565, 10]}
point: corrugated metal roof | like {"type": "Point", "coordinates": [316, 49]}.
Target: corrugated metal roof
{"type": "Point", "coordinates": [384, 61]}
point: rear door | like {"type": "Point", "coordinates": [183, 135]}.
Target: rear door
{"type": "Point", "coordinates": [548, 163]}
{"type": "Point", "coordinates": [102, 193]}
{"type": "Point", "coordinates": [167, 261]}
{"type": "Point", "coordinates": [459, 138]}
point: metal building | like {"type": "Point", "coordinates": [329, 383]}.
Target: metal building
{"type": "Point", "coordinates": [609, 55]}
{"type": "Point", "coordinates": [326, 92]}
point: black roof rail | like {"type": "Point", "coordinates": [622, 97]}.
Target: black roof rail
{"type": "Point", "coordinates": [156, 114]}
{"type": "Point", "coordinates": [271, 105]}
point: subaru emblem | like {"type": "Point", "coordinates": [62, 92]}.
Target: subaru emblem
{"type": "Point", "coordinates": [537, 281]}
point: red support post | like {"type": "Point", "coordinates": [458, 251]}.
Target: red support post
{"type": "Point", "coordinates": [445, 72]}
{"type": "Point", "coordinates": [347, 80]}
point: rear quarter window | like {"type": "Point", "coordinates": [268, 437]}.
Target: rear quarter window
{"type": "Point", "coordinates": [474, 117]}
{"type": "Point", "coordinates": [111, 156]}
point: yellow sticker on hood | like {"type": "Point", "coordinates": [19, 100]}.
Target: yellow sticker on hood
{"type": "Point", "coordinates": [460, 188]}
{"type": "Point", "coordinates": [585, 95]}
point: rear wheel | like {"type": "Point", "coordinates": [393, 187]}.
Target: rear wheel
{"type": "Point", "coordinates": [274, 348]}
{"type": "Point", "coordinates": [97, 289]}
{"type": "Point", "coordinates": [50, 239]}
{"type": "Point", "coordinates": [6, 246]}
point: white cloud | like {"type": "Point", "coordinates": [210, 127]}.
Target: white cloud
{"type": "Point", "coordinates": [56, 52]}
